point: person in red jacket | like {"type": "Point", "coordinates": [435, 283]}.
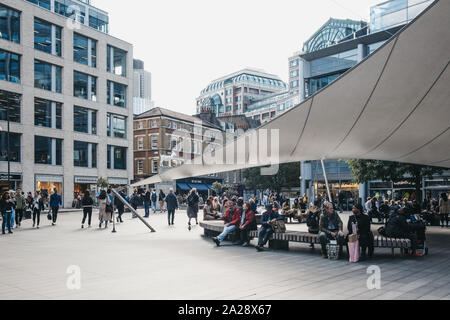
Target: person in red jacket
{"type": "Point", "coordinates": [248, 223]}
{"type": "Point", "coordinates": [232, 219]}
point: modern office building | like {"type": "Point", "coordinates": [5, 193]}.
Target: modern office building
{"type": "Point", "coordinates": [142, 88]}
{"type": "Point", "coordinates": [65, 88]}
{"type": "Point", "coordinates": [233, 93]}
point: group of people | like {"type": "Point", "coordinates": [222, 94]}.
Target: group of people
{"type": "Point", "coordinates": [14, 205]}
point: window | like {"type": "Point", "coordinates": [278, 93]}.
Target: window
{"type": "Point", "coordinates": [155, 166]}
{"type": "Point", "coordinates": [117, 94]}
{"type": "Point", "coordinates": [41, 3]}
{"type": "Point", "coordinates": [70, 9]}
{"type": "Point", "coordinates": [47, 151]}
{"type": "Point", "coordinates": [47, 76]}
{"type": "Point", "coordinates": [84, 86]}
{"type": "Point", "coordinates": [140, 125]}
{"type": "Point", "coordinates": [116, 126]}
{"type": "Point", "coordinates": [117, 158]}
{"type": "Point", "coordinates": [85, 154]}
{"type": "Point", "coordinates": [14, 146]}
{"type": "Point", "coordinates": [140, 143]}
{"type": "Point", "coordinates": [154, 124]}
{"type": "Point", "coordinates": [9, 24]}
{"type": "Point", "coordinates": [154, 142]}
{"type": "Point", "coordinates": [116, 61]}
{"type": "Point", "coordinates": [47, 114]}
{"type": "Point", "coordinates": [13, 100]}
{"type": "Point", "coordinates": [9, 66]}
{"type": "Point", "coordinates": [294, 63]}
{"type": "Point", "coordinates": [84, 50]}
{"type": "Point", "coordinates": [98, 20]}
{"type": "Point", "coordinates": [294, 73]}
{"type": "Point", "coordinates": [47, 37]}
{"type": "Point", "coordinates": [140, 166]}
{"type": "Point", "coordinates": [84, 120]}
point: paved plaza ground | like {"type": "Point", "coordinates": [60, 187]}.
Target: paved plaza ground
{"type": "Point", "coordinates": [175, 263]}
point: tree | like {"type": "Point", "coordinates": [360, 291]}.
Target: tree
{"type": "Point", "coordinates": [287, 177]}
{"type": "Point", "coordinates": [217, 187]}
{"type": "Point", "coordinates": [365, 170]}
{"type": "Point", "coordinates": [102, 183]}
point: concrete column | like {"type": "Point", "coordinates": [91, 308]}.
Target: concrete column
{"type": "Point", "coordinates": [111, 157]}
{"type": "Point", "coordinates": [52, 5]}
{"type": "Point", "coordinates": [90, 121]}
{"type": "Point", "coordinates": [53, 152]}
{"type": "Point", "coordinates": [53, 115]}
{"type": "Point", "coordinates": [362, 52]}
{"type": "Point", "coordinates": [304, 73]}
{"type": "Point", "coordinates": [90, 155]}
{"type": "Point", "coordinates": [53, 78]}
{"type": "Point", "coordinates": [53, 40]}
{"type": "Point", "coordinates": [90, 52]}
{"type": "Point", "coordinates": [363, 192]}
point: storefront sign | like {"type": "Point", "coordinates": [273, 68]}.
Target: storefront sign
{"type": "Point", "coordinates": [12, 177]}
{"type": "Point", "coordinates": [86, 180]}
{"type": "Point", "coordinates": [49, 178]}
{"type": "Point", "coordinates": [118, 181]}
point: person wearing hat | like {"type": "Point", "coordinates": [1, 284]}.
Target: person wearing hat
{"type": "Point", "coordinates": [269, 218]}
{"type": "Point", "coordinates": [363, 226]}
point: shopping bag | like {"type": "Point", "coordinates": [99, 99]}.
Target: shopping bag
{"type": "Point", "coordinates": [333, 250]}
{"type": "Point", "coordinates": [353, 249]}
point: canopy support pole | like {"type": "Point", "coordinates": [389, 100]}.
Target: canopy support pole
{"type": "Point", "coordinates": [118, 196]}
{"type": "Point", "coordinates": [326, 180]}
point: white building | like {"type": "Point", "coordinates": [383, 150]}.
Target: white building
{"type": "Point", "coordinates": [142, 88]}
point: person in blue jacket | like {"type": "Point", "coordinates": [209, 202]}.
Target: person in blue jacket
{"type": "Point", "coordinates": [269, 218]}
{"type": "Point", "coordinates": [55, 203]}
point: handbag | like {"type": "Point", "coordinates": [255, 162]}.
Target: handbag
{"type": "Point", "coordinates": [108, 208]}
{"type": "Point", "coordinates": [353, 244]}
{"type": "Point", "coordinates": [49, 216]}
{"type": "Point", "coordinates": [279, 226]}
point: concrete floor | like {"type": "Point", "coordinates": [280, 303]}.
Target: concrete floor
{"type": "Point", "coordinates": [175, 263]}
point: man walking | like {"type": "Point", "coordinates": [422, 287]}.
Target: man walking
{"type": "Point", "coordinates": [146, 198]}
{"type": "Point", "coordinates": [154, 198]}
{"type": "Point", "coordinates": [55, 203]}
{"type": "Point", "coordinates": [21, 205]}
{"type": "Point", "coordinates": [172, 205]}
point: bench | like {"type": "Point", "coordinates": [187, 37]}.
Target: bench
{"type": "Point", "coordinates": [280, 241]}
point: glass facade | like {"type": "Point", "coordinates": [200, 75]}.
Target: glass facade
{"type": "Point", "coordinates": [84, 120]}
{"type": "Point", "coordinates": [81, 52]}
{"type": "Point", "coordinates": [84, 86]}
{"type": "Point", "coordinates": [47, 76]}
{"type": "Point", "coordinates": [71, 10]}
{"type": "Point", "coordinates": [14, 146]}
{"type": "Point", "coordinates": [117, 158]}
{"type": "Point", "coordinates": [98, 20]}
{"type": "Point", "coordinates": [116, 61]}
{"type": "Point", "coordinates": [117, 94]}
{"type": "Point", "coordinates": [47, 114]}
{"type": "Point", "coordinates": [116, 126]}
{"type": "Point", "coordinates": [85, 154]}
{"type": "Point", "coordinates": [9, 66]}
{"type": "Point", "coordinates": [9, 24]}
{"type": "Point", "coordinates": [47, 37]}
{"type": "Point", "coordinates": [14, 101]}
{"type": "Point", "coordinates": [47, 151]}
{"type": "Point", "coordinates": [41, 3]}
{"type": "Point", "coordinates": [341, 61]}
{"type": "Point", "coordinates": [315, 84]}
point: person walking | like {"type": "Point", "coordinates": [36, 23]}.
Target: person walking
{"type": "Point", "coordinates": [111, 199]}
{"type": "Point", "coordinates": [103, 214]}
{"type": "Point", "coordinates": [444, 209]}
{"type": "Point", "coordinates": [147, 202]}
{"type": "Point", "coordinates": [38, 207]}
{"type": "Point", "coordinates": [12, 196]}
{"type": "Point", "coordinates": [120, 207]}
{"type": "Point", "coordinates": [172, 205]}
{"type": "Point", "coordinates": [6, 209]}
{"type": "Point", "coordinates": [134, 202]}
{"type": "Point", "coordinates": [154, 198]}
{"type": "Point", "coordinates": [192, 210]}
{"type": "Point", "coordinates": [21, 205]}
{"type": "Point", "coordinates": [162, 197]}
{"type": "Point", "coordinates": [55, 203]}
{"type": "Point", "coordinates": [87, 202]}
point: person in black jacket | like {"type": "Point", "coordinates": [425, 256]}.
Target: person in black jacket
{"type": "Point", "coordinates": [172, 205]}
{"type": "Point", "coordinates": [6, 208]}
{"type": "Point", "coordinates": [365, 235]}
{"type": "Point", "coordinates": [398, 228]}
{"type": "Point", "coordinates": [87, 202]}
{"type": "Point", "coordinates": [120, 206]}
{"type": "Point", "coordinates": [147, 202]}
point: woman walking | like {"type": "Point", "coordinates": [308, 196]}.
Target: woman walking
{"type": "Point", "coordinates": [120, 207]}
{"type": "Point", "coordinates": [192, 210]}
{"type": "Point", "coordinates": [6, 208]}
{"type": "Point", "coordinates": [38, 206]}
{"type": "Point", "coordinates": [103, 214]}
{"type": "Point", "coordinates": [444, 209]}
{"type": "Point", "coordinates": [87, 204]}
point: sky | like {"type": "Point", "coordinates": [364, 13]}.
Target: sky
{"type": "Point", "coordinates": [186, 44]}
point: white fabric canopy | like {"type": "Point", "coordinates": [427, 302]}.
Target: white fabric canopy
{"type": "Point", "coordinates": [394, 105]}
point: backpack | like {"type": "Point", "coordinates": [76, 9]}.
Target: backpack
{"type": "Point", "coordinates": [311, 221]}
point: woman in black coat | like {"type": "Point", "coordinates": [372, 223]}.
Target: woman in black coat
{"type": "Point", "coordinates": [87, 202]}
{"type": "Point", "coordinates": [192, 210]}
{"type": "Point", "coordinates": [364, 231]}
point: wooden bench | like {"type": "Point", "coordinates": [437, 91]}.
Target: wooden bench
{"type": "Point", "coordinates": [280, 241]}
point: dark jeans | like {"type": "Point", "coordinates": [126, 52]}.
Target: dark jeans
{"type": "Point", "coordinates": [325, 238]}
{"type": "Point", "coordinates": [444, 218]}
{"type": "Point", "coordinates": [244, 233]}
{"type": "Point", "coordinates": [6, 216]}
{"type": "Point", "coordinates": [147, 208]}
{"type": "Point", "coordinates": [264, 235]}
{"type": "Point", "coordinates": [54, 214]}
{"type": "Point", "coordinates": [19, 216]}
{"type": "Point", "coordinates": [120, 211]}
{"type": "Point", "coordinates": [36, 216]}
{"type": "Point", "coordinates": [171, 213]}
{"type": "Point", "coordinates": [87, 213]}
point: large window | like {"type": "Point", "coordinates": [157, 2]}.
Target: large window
{"type": "Point", "coordinates": [116, 126]}
{"type": "Point", "coordinates": [47, 151]}
{"type": "Point", "coordinates": [84, 50]}
{"type": "Point", "coordinates": [84, 120]}
{"type": "Point", "coordinates": [47, 114]}
{"type": "Point", "coordinates": [116, 61]}
{"type": "Point", "coordinates": [13, 100]}
{"type": "Point", "coordinates": [47, 37]}
{"type": "Point", "coordinates": [117, 94]}
{"type": "Point", "coordinates": [117, 158]}
{"type": "Point", "coordinates": [84, 86]}
{"type": "Point", "coordinates": [315, 84]}
{"type": "Point", "coordinates": [85, 154]}
{"type": "Point", "coordinates": [98, 20]}
{"type": "Point", "coordinates": [70, 9]}
{"type": "Point", "coordinates": [47, 76]}
{"type": "Point", "coordinates": [14, 146]}
{"type": "Point", "coordinates": [9, 24]}
{"type": "Point", "coordinates": [41, 3]}
{"type": "Point", "coordinates": [9, 66]}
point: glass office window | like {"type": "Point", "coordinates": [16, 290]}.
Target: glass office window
{"type": "Point", "coordinates": [14, 146]}
{"type": "Point", "coordinates": [9, 66]}
{"type": "Point", "coordinates": [47, 114]}
{"type": "Point", "coordinates": [81, 52]}
{"type": "Point", "coordinates": [84, 120]}
{"type": "Point", "coordinates": [116, 126]}
{"type": "Point", "coordinates": [13, 100]}
{"type": "Point", "coordinates": [341, 61]}
{"type": "Point", "coordinates": [84, 86]}
{"type": "Point", "coordinates": [70, 9]}
{"type": "Point", "coordinates": [9, 24]}
{"type": "Point", "coordinates": [85, 154]}
{"type": "Point", "coordinates": [117, 94]}
{"type": "Point", "coordinates": [98, 20]}
{"type": "Point", "coordinates": [47, 37]}
{"type": "Point", "coordinates": [117, 158]}
{"type": "Point", "coordinates": [44, 153]}
{"type": "Point", "coordinates": [41, 3]}
{"type": "Point", "coordinates": [116, 61]}
{"type": "Point", "coordinates": [47, 76]}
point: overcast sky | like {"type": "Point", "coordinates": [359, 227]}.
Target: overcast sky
{"type": "Point", "coordinates": [187, 43]}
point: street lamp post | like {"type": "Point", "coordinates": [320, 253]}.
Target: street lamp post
{"type": "Point", "coordinates": [7, 140]}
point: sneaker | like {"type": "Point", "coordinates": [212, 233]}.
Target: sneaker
{"type": "Point", "coordinates": [217, 242]}
{"type": "Point", "coordinates": [417, 255]}
{"type": "Point", "coordinates": [33, 225]}
{"type": "Point", "coordinates": [245, 245]}
{"type": "Point", "coordinates": [259, 249]}
{"type": "Point", "coordinates": [3, 232]}
{"type": "Point", "coordinates": [10, 232]}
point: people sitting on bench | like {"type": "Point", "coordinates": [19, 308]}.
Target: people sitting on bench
{"type": "Point", "coordinates": [208, 211]}
{"type": "Point", "coordinates": [269, 218]}
{"type": "Point", "coordinates": [232, 219]}
{"type": "Point", "coordinates": [365, 235]}
{"type": "Point", "coordinates": [248, 223]}
{"type": "Point", "coordinates": [313, 219]}
{"type": "Point", "coordinates": [287, 212]}
{"type": "Point", "coordinates": [398, 228]}
{"type": "Point", "coordinates": [331, 228]}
